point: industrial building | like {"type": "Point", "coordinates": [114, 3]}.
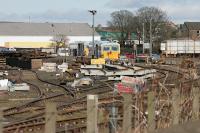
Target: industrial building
{"type": "Point", "coordinates": [41, 35]}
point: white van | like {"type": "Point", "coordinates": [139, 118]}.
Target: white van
{"type": "Point", "coordinates": [63, 51]}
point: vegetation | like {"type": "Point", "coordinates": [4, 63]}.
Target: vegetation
{"type": "Point", "coordinates": [123, 21]}
{"type": "Point", "coordinates": [60, 41]}
{"type": "Point", "coordinates": [127, 22]}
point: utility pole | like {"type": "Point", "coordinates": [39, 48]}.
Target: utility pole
{"type": "Point", "coordinates": [65, 52]}
{"type": "Point", "coordinates": [93, 12]}
{"type": "Point", "coordinates": [188, 30]}
{"type": "Point", "coordinates": [92, 106]}
{"type": "Point", "coordinates": [65, 41]}
{"type": "Point", "coordinates": [150, 47]}
{"type": "Point", "coordinates": [143, 37]}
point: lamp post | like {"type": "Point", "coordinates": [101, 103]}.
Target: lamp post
{"type": "Point", "coordinates": [93, 12]}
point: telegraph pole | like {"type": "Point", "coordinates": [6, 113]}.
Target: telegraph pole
{"type": "Point", "coordinates": [143, 37]}
{"type": "Point", "coordinates": [150, 47]}
{"type": "Point", "coordinates": [93, 12]}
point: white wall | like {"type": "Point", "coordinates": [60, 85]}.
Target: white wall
{"type": "Point", "coordinates": [72, 39]}
{"type": "Point", "coordinates": [4, 39]}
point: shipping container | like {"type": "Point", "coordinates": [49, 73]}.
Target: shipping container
{"type": "Point", "coordinates": [180, 47]}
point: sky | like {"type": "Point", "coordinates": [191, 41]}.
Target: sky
{"type": "Point", "coordinates": [178, 11]}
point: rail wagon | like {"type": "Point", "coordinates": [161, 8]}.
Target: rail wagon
{"type": "Point", "coordinates": [110, 50]}
{"type": "Point", "coordinates": [180, 47]}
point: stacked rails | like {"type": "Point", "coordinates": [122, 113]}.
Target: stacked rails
{"type": "Point", "coordinates": [24, 63]}
{"type": "Point", "coordinates": [2, 63]}
{"type": "Point", "coordinates": [34, 54]}
{"type": "Point", "coordinates": [29, 59]}
{"type": "Point", "coordinates": [30, 54]}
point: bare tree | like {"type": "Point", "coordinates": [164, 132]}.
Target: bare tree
{"type": "Point", "coordinates": [158, 18]}
{"type": "Point", "coordinates": [122, 21]}
{"type": "Point", "coordinates": [60, 41]}
{"type": "Point", "coordinates": [126, 22]}
{"type": "Point", "coordinates": [161, 26]}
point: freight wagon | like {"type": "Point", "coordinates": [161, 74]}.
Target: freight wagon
{"type": "Point", "coordinates": [180, 47]}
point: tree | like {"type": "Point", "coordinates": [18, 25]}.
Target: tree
{"type": "Point", "coordinates": [158, 18]}
{"type": "Point", "coordinates": [159, 23]}
{"type": "Point", "coordinates": [122, 21]}
{"type": "Point", "coordinates": [60, 41]}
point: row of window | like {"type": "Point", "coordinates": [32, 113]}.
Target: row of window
{"type": "Point", "coordinates": [109, 48]}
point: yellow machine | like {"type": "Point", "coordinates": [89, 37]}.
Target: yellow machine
{"type": "Point", "coordinates": [110, 51]}
{"type": "Point", "coordinates": [106, 51]}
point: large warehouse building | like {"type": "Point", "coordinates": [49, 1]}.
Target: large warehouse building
{"type": "Point", "coordinates": [41, 35]}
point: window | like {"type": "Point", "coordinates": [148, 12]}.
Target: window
{"type": "Point", "coordinates": [63, 51]}
{"type": "Point", "coordinates": [114, 48]}
{"type": "Point", "coordinates": [198, 33]}
{"type": "Point", "coordinates": [106, 48]}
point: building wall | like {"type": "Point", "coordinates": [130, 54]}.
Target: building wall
{"type": "Point", "coordinates": [73, 39]}
{"type": "Point", "coordinates": [194, 35]}
{"type": "Point", "coordinates": [105, 35]}
{"type": "Point", "coordinates": [37, 41]}
{"type": "Point", "coordinates": [29, 44]}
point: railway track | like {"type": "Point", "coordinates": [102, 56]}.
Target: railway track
{"type": "Point", "coordinates": [41, 97]}
{"type": "Point", "coordinates": [28, 107]}
{"type": "Point", "coordinates": [64, 113]}
{"type": "Point", "coordinates": [37, 121]}
{"type": "Point", "coordinates": [68, 90]}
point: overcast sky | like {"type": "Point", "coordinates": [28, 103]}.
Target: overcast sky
{"type": "Point", "coordinates": [76, 10]}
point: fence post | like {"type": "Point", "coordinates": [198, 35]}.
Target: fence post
{"type": "Point", "coordinates": [127, 113]}
{"type": "Point", "coordinates": [175, 106]}
{"type": "Point", "coordinates": [92, 106]}
{"type": "Point", "coordinates": [151, 111]}
{"type": "Point", "coordinates": [113, 119]}
{"type": "Point", "coordinates": [1, 120]}
{"type": "Point", "coordinates": [195, 104]}
{"type": "Point", "coordinates": [50, 118]}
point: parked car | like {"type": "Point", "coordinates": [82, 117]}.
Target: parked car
{"type": "Point", "coordinates": [142, 58]}
{"type": "Point", "coordinates": [63, 51]}
{"type": "Point", "coordinates": [155, 58]}
{"type": "Point", "coordinates": [130, 55]}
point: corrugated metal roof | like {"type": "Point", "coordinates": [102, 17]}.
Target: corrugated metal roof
{"type": "Point", "coordinates": [45, 29]}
